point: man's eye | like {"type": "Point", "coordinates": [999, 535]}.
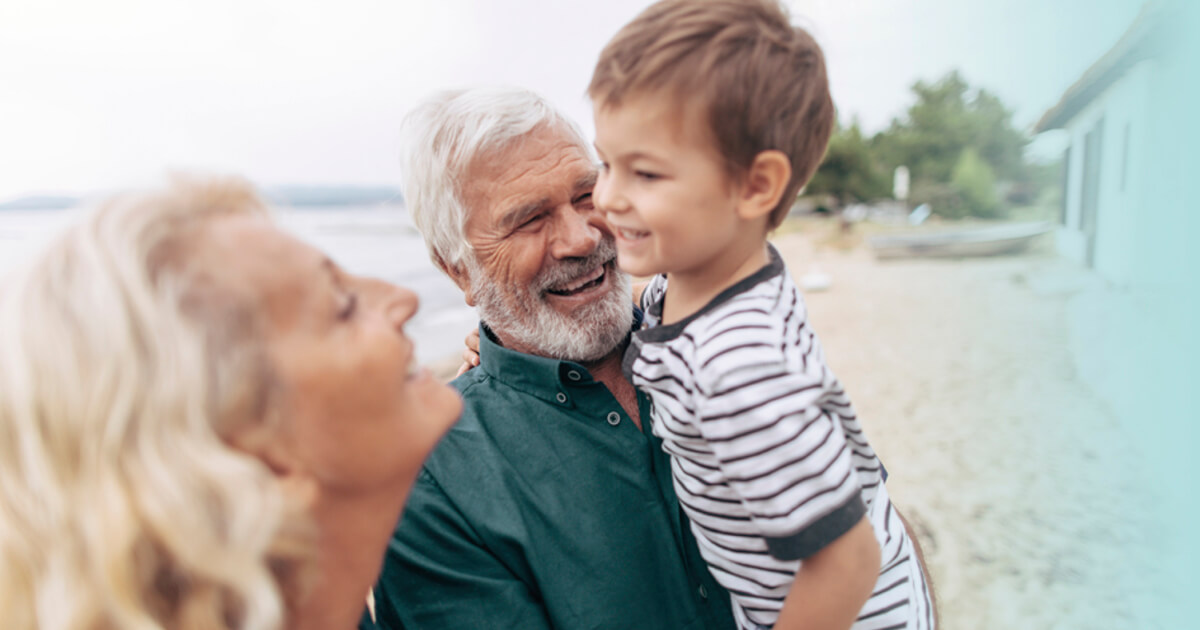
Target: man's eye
{"type": "Point", "coordinates": [584, 200]}
{"type": "Point", "coordinates": [604, 167]}
{"type": "Point", "coordinates": [532, 221]}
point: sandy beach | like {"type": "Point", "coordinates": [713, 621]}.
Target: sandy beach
{"type": "Point", "coordinates": [1025, 492]}
{"type": "Point", "coordinates": [1026, 495]}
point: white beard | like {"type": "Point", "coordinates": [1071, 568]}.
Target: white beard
{"type": "Point", "coordinates": [521, 315]}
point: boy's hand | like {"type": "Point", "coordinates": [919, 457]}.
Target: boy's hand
{"type": "Point", "coordinates": [471, 354]}
{"type": "Point", "coordinates": [833, 584]}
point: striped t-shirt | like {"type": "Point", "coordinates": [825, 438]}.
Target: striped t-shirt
{"type": "Point", "coordinates": [768, 458]}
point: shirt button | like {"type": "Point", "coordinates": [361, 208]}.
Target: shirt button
{"type": "Point", "coordinates": [560, 397]}
{"type": "Point", "coordinates": [614, 418]}
{"type": "Point", "coordinates": [574, 376]}
{"type": "Point", "coordinates": [703, 592]}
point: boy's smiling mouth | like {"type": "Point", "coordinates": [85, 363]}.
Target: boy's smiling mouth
{"type": "Point", "coordinates": [630, 234]}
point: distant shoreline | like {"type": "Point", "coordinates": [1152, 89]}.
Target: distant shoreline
{"type": "Point", "coordinates": [324, 197]}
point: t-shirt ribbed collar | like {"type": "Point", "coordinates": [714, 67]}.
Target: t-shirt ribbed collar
{"type": "Point", "coordinates": [666, 332]}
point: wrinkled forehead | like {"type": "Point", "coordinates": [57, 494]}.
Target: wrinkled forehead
{"type": "Point", "coordinates": [546, 163]}
{"type": "Point", "coordinates": [526, 148]}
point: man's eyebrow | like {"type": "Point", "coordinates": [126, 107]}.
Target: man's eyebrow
{"type": "Point", "coordinates": [586, 182]}
{"type": "Point", "coordinates": [517, 216]}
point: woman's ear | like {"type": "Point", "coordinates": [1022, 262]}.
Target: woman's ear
{"type": "Point", "coordinates": [274, 451]}
{"type": "Point", "coordinates": [764, 183]}
{"type": "Point", "coordinates": [263, 442]}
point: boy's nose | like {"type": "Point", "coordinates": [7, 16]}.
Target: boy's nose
{"type": "Point", "coordinates": [607, 195]}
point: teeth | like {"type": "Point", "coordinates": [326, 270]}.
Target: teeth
{"type": "Point", "coordinates": [631, 235]}
{"type": "Point", "coordinates": [578, 283]}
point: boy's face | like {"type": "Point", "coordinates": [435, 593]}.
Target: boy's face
{"type": "Point", "coordinates": [662, 187]}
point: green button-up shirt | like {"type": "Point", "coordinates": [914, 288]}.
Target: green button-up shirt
{"type": "Point", "coordinates": [545, 507]}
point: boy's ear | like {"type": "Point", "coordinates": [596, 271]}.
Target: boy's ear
{"type": "Point", "coordinates": [460, 277]}
{"type": "Point", "coordinates": [764, 183]}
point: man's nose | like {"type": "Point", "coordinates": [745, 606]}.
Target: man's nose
{"type": "Point", "coordinates": [576, 233]}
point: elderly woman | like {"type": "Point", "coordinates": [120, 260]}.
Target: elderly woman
{"type": "Point", "coordinates": [204, 423]}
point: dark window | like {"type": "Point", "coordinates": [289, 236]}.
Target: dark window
{"type": "Point", "coordinates": [1093, 149]}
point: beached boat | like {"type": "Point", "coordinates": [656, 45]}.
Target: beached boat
{"type": "Point", "coordinates": [980, 241]}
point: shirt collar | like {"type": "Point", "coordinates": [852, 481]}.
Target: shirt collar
{"type": "Point", "coordinates": [538, 376]}
{"type": "Point", "coordinates": [774, 267]}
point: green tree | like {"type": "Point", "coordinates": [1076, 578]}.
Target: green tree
{"type": "Point", "coordinates": [849, 171]}
{"type": "Point", "coordinates": [948, 118]}
{"type": "Point", "coordinates": [973, 180]}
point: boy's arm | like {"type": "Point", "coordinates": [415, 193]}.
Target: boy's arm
{"type": "Point", "coordinates": [833, 584]}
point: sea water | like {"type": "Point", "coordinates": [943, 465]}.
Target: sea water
{"type": "Point", "coordinates": [377, 241]}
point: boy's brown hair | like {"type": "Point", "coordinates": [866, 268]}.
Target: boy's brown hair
{"type": "Point", "coordinates": [762, 80]}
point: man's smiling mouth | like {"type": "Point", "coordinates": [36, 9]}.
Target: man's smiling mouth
{"type": "Point", "coordinates": [587, 281]}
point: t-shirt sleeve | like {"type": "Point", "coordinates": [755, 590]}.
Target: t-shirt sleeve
{"type": "Point", "coordinates": [774, 431]}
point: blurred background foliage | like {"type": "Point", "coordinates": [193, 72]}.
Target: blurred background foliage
{"type": "Point", "coordinates": [965, 157]}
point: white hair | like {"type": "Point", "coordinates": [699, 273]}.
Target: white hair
{"type": "Point", "coordinates": [444, 135]}
{"type": "Point", "coordinates": [124, 372]}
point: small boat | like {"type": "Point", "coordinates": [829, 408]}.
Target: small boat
{"type": "Point", "coordinates": [981, 241]}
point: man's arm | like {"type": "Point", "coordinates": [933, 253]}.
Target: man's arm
{"type": "Point", "coordinates": [437, 574]}
{"type": "Point", "coordinates": [937, 622]}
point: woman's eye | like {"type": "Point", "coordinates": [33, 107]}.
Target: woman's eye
{"type": "Point", "coordinates": [349, 305]}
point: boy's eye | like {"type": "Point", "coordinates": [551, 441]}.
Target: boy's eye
{"type": "Point", "coordinates": [647, 175]}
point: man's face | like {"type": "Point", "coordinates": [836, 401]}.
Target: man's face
{"type": "Point", "coordinates": [543, 270]}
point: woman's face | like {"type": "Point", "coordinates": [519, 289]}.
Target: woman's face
{"type": "Point", "coordinates": [355, 411]}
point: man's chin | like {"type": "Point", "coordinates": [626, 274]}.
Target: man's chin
{"type": "Point", "coordinates": [585, 332]}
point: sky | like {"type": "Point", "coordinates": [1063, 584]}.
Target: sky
{"type": "Point", "coordinates": [97, 95]}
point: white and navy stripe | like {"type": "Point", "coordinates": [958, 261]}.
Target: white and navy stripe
{"type": "Point", "coordinates": [769, 460]}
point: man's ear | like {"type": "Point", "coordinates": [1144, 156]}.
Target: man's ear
{"type": "Point", "coordinates": [764, 183]}
{"type": "Point", "coordinates": [459, 275]}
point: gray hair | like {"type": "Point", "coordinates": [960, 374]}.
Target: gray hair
{"type": "Point", "coordinates": [444, 135]}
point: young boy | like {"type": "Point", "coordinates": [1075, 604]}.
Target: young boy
{"type": "Point", "coordinates": [710, 116]}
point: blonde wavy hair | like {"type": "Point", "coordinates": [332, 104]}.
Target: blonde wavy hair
{"type": "Point", "coordinates": [126, 371]}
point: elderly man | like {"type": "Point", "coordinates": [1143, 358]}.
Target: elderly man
{"type": "Point", "coordinates": [550, 504]}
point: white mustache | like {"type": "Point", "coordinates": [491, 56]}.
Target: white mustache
{"type": "Point", "coordinates": [568, 270]}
